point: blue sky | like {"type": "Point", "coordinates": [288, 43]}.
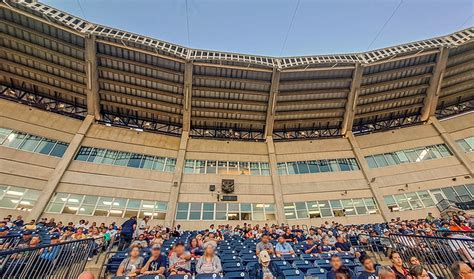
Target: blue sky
{"type": "Point", "coordinates": [260, 26]}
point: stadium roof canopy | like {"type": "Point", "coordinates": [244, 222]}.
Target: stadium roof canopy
{"type": "Point", "coordinates": [62, 63]}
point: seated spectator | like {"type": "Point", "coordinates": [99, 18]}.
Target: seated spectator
{"type": "Point", "coordinates": [418, 272]}
{"type": "Point", "coordinates": [79, 234]}
{"type": "Point", "coordinates": [369, 268]}
{"type": "Point", "coordinates": [194, 248]}
{"type": "Point", "coordinates": [141, 241]}
{"type": "Point", "coordinates": [332, 239]}
{"type": "Point", "coordinates": [211, 239]}
{"type": "Point", "coordinates": [180, 260]}
{"type": "Point", "coordinates": [19, 221]}
{"type": "Point", "coordinates": [265, 268]}
{"type": "Point", "coordinates": [157, 239]}
{"type": "Point", "coordinates": [265, 245]}
{"type": "Point", "coordinates": [289, 236]}
{"type": "Point", "coordinates": [52, 252]}
{"type": "Point", "coordinates": [51, 223]}
{"type": "Point", "coordinates": [300, 238]}
{"type": "Point", "coordinates": [343, 273]}
{"type": "Point", "coordinates": [397, 265]}
{"type": "Point", "coordinates": [386, 272]}
{"type": "Point", "coordinates": [283, 247]}
{"type": "Point", "coordinates": [156, 264]}
{"type": "Point", "coordinates": [309, 247]}
{"type": "Point", "coordinates": [4, 229]}
{"type": "Point", "coordinates": [342, 245]}
{"type": "Point", "coordinates": [31, 226]}
{"type": "Point", "coordinates": [131, 265]}
{"type": "Point", "coordinates": [67, 235]}
{"type": "Point", "coordinates": [326, 246]}
{"type": "Point", "coordinates": [336, 264]}
{"type": "Point", "coordinates": [461, 270]}
{"type": "Point", "coordinates": [414, 261]}
{"type": "Point", "coordinates": [24, 242]}
{"type": "Point", "coordinates": [209, 262]}
{"type": "Point", "coordinates": [98, 241]}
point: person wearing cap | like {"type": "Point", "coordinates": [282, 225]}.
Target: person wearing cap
{"type": "Point", "coordinates": [4, 229]}
{"type": "Point", "coordinates": [156, 264]}
{"type": "Point", "coordinates": [265, 268]}
{"type": "Point", "coordinates": [309, 247]}
{"type": "Point", "coordinates": [24, 242]}
{"type": "Point", "coordinates": [209, 262]}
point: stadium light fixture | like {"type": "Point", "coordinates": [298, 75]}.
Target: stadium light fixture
{"type": "Point", "coordinates": [15, 193]}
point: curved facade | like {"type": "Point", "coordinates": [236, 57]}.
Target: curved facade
{"type": "Point", "coordinates": [100, 122]}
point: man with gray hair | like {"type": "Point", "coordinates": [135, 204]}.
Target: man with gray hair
{"type": "Point", "coordinates": [461, 270]}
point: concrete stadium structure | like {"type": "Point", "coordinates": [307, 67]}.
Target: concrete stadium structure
{"type": "Point", "coordinates": [101, 124]}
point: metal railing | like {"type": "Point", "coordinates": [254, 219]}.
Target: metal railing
{"type": "Point", "coordinates": [9, 242]}
{"type": "Point", "coordinates": [61, 260]}
{"type": "Point", "coordinates": [436, 253]}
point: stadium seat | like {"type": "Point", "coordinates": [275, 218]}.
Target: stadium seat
{"type": "Point", "coordinates": [233, 266]}
{"type": "Point", "coordinates": [293, 274]}
{"type": "Point", "coordinates": [236, 275]}
{"type": "Point", "coordinates": [322, 264]}
{"type": "Point", "coordinates": [319, 273]}
{"type": "Point", "coordinates": [302, 265]}
{"type": "Point", "coordinates": [204, 276]}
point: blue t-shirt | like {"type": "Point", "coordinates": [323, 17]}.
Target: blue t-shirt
{"type": "Point", "coordinates": [155, 265]}
{"type": "Point", "coordinates": [307, 246]}
{"type": "Point", "coordinates": [343, 246]}
{"type": "Point", "coordinates": [127, 226]}
{"type": "Point", "coordinates": [18, 223]}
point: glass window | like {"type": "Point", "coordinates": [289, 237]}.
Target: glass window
{"type": "Point", "coordinates": [443, 149]}
{"type": "Point", "coordinates": [380, 159]}
{"type": "Point", "coordinates": [353, 164]}
{"type": "Point", "coordinates": [449, 193]}
{"type": "Point", "coordinates": [325, 209]}
{"type": "Point", "coordinates": [414, 200]}
{"type": "Point", "coordinates": [233, 168]}
{"type": "Point", "coordinates": [391, 203]}
{"type": "Point", "coordinates": [371, 162]}
{"type": "Point", "coordinates": [147, 162]}
{"type": "Point", "coordinates": [402, 157]}
{"type": "Point", "coordinates": [83, 153]}
{"type": "Point", "coordinates": [109, 157]}
{"type": "Point", "coordinates": [391, 159]}
{"type": "Point", "coordinates": [461, 191]}
{"type": "Point", "coordinates": [211, 167]}
{"type": "Point", "coordinates": [159, 163]}
{"type": "Point", "coordinates": [170, 164]}
{"type": "Point", "coordinates": [402, 202]}
{"type": "Point", "coordinates": [59, 149]}
{"type": "Point", "coordinates": [334, 165]}
{"type": "Point", "coordinates": [324, 166]}
{"type": "Point", "coordinates": [313, 166]}
{"type": "Point", "coordinates": [281, 169]}
{"type": "Point", "coordinates": [244, 168]}
{"type": "Point", "coordinates": [343, 164]}
{"type": "Point", "coordinates": [200, 166]}
{"type": "Point", "coordinates": [14, 139]}
{"type": "Point", "coordinates": [313, 209]}
{"type": "Point", "coordinates": [189, 166]}
{"type": "Point", "coordinates": [302, 167]}
{"type": "Point", "coordinates": [426, 199]}
{"type": "Point", "coordinates": [348, 207]}
{"type": "Point", "coordinates": [292, 167]}
{"type": "Point", "coordinates": [359, 206]}
{"type": "Point", "coordinates": [92, 200]}
{"type": "Point", "coordinates": [254, 168]}
{"type": "Point", "coordinates": [289, 210]}
{"type": "Point", "coordinates": [222, 167]}
{"type": "Point", "coordinates": [30, 143]}
{"type": "Point", "coordinates": [265, 169]}
{"type": "Point", "coordinates": [4, 133]}
{"type": "Point", "coordinates": [122, 158]}
{"type": "Point", "coordinates": [135, 160]}
{"type": "Point", "coordinates": [97, 155]}
{"type": "Point", "coordinates": [45, 146]}
{"type": "Point", "coordinates": [337, 208]}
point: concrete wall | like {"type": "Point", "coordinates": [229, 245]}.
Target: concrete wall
{"type": "Point", "coordinates": [30, 170]}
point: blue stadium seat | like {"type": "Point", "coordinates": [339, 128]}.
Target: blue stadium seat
{"type": "Point", "coordinates": [293, 274]}
{"type": "Point", "coordinates": [283, 265]}
{"type": "Point", "coordinates": [319, 273]}
{"type": "Point", "coordinates": [236, 275]}
{"type": "Point", "coordinates": [309, 257]}
{"type": "Point", "coordinates": [290, 258]}
{"type": "Point", "coordinates": [233, 266]}
{"type": "Point", "coordinates": [203, 276]}
{"type": "Point", "coordinates": [179, 276]}
{"type": "Point", "coordinates": [302, 265]}
{"type": "Point", "coordinates": [323, 264]}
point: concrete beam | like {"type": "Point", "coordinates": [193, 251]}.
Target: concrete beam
{"type": "Point", "coordinates": [370, 178]}
{"type": "Point", "coordinates": [432, 93]}
{"type": "Point", "coordinates": [277, 192]}
{"type": "Point", "coordinates": [92, 81]}
{"type": "Point", "coordinates": [60, 169]}
{"type": "Point", "coordinates": [272, 100]}
{"type": "Point", "coordinates": [452, 144]}
{"type": "Point", "coordinates": [188, 93]}
{"type": "Point", "coordinates": [351, 103]}
{"type": "Point", "coordinates": [176, 182]}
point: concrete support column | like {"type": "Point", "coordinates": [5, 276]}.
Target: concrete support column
{"type": "Point", "coordinates": [176, 183]}
{"type": "Point", "coordinates": [278, 195]}
{"type": "Point", "coordinates": [60, 169]}
{"type": "Point", "coordinates": [455, 148]}
{"type": "Point", "coordinates": [376, 193]}
{"type": "Point", "coordinates": [92, 74]}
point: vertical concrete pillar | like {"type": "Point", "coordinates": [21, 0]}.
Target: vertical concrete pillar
{"type": "Point", "coordinates": [376, 193]}
{"type": "Point", "coordinates": [455, 148]}
{"type": "Point", "coordinates": [176, 183]}
{"type": "Point", "coordinates": [60, 169]}
{"type": "Point", "coordinates": [277, 192]}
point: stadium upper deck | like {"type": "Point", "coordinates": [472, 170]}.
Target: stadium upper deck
{"type": "Point", "coordinates": [62, 63]}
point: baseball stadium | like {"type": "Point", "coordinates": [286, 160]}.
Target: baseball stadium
{"type": "Point", "coordinates": [118, 148]}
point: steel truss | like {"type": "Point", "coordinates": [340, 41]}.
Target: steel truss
{"type": "Point", "coordinates": [387, 124]}
{"type": "Point", "coordinates": [451, 110]}
{"type": "Point", "coordinates": [225, 133]}
{"type": "Point", "coordinates": [139, 124]}
{"type": "Point", "coordinates": [43, 102]}
{"type": "Point", "coordinates": [306, 133]}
